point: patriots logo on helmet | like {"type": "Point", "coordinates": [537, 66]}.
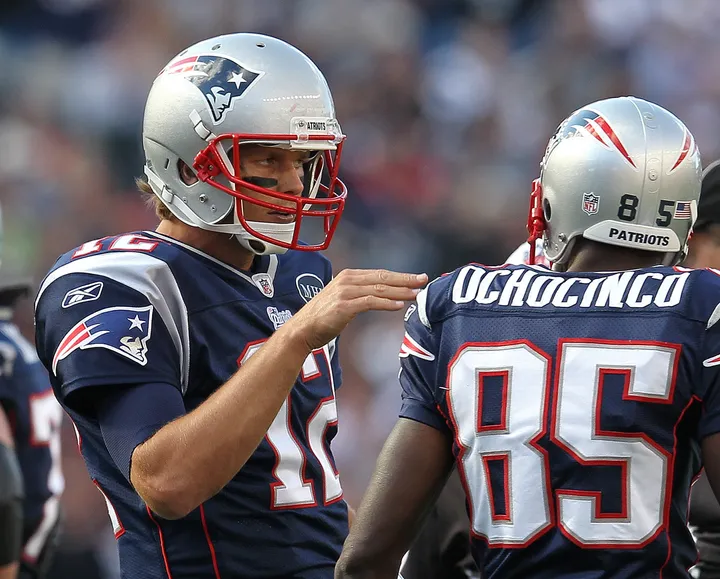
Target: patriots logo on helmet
{"type": "Point", "coordinates": [589, 123]}
{"type": "Point", "coordinates": [220, 79]}
{"type": "Point", "coordinates": [123, 330]}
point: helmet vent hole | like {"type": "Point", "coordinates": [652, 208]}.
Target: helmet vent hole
{"type": "Point", "coordinates": [167, 163]}
{"type": "Point", "coordinates": [547, 210]}
{"type": "Point", "coordinates": [216, 47]}
{"type": "Point", "coordinates": [183, 52]}
{"type": "Point", "coordinates": [260, 45]}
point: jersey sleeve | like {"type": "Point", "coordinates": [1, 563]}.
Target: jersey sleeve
{"type": "Point", "coordinates": [94, 331]}
{"type": "Point", "coordinates": [418, 368]}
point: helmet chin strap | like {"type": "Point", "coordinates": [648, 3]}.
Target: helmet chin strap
{"type": "Point", "coordinates": [280, 231]}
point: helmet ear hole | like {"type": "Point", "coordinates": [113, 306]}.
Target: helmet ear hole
{"type": "Point", "coordinates": [187, 175]}
{"type": "Point", "coordinates": [547, 210]}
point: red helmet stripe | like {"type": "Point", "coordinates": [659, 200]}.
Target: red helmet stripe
{"type": "Point", "coordinates": [607, 129]}
{"type": "Point", "coordinates": [687, 143]}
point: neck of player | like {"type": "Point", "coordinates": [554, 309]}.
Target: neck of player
{"type": "Point", "coordinates": [592, 256]}
{"type": "Point", "coordinates": [218, 245]}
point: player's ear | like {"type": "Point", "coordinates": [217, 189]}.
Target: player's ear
{"type": "Point", "coordinates": [187, 175]}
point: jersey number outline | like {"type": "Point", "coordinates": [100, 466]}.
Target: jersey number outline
{"type": "Point", "coordinates": [129, 242]}
{"type": "Point", "coordinates": [291, 489]}
{"type": "Point", "coordinates": [649, 371]}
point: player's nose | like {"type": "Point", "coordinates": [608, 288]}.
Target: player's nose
{"type": "Point", "coordinates": [292, 182]}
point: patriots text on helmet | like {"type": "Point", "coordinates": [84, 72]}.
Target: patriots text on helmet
{"type": "Point", "coordinates": [532, 288]}
{"type": "Point", "coordinates": [636, 237]}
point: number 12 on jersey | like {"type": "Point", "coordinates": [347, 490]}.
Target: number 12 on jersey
{"type": "Point", "coordinates": [649, 372]}
{"type": "Point", "coordinates": [291, 489]}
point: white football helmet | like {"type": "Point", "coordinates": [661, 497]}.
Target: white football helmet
{"type": "Point", "coordinates": [240, 89]}
{"type": "Point", "coordinates": [621, 171]}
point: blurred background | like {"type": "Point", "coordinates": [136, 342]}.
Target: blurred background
{"type": "Point", "coordinates": [447, 104]}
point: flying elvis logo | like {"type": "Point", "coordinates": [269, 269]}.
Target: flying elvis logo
{"type": "Point", "coordinates": [587, 123]}
{"type": "Point", "coordinates": [221, 80]}
{"type": "Point", "coordinates": [410, 347]}
{"type": "Point", "coordinates": [123, 330]}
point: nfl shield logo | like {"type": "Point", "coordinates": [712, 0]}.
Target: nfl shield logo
{"type": "Point", "coordinates": [590, 203]}
{"type": "Point", "coordinates": [264, 283]}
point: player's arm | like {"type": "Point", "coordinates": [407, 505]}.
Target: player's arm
{"type": "Point", "coordinates": [11, 495]}
{"type": "Point", "coordinates": [711, 460]}
{"type": "Point", "coordinates": [415, 461]}
{"type": "Point", "coordinates": [410, 473]}
{"type": "Point", "coordinates": [442, 548]}
{"type": "Point", "coordinates": [191, 458]}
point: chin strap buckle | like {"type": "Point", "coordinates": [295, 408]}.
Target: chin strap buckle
{"type": "Point", "coordinates": [536, 219]}
{"type": "Point", "coordinates": [206, 164]}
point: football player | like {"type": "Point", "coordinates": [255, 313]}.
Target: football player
{"type": "Point", "coordinates": [573, 401]}
{"type": "Point", "coordinates": [34, 418]}
{"type": "Point", "coordinates": [199, 361]}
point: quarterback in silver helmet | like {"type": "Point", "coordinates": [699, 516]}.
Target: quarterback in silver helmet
{"type": "Point", "coordinates": [215, 104]}
{"type": "Point", "coordinates": [199, 361]}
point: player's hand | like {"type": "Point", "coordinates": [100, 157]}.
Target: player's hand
{"type": "Point", "coordinates": [351, 292]}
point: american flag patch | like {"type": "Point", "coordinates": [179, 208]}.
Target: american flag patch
{"type": "Point", "coordinates": [682, 210]}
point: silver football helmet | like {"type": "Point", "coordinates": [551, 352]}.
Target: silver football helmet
{"type": "Point", "coordinates": [621, 171]}
{"type": "Point", "coordinates": [240, 89]}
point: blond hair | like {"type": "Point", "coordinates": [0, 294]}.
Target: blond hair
{"type": "Point", "coordinates": [153, 201]}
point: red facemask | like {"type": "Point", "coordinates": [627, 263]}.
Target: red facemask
{"type": "Point", "coordinates": [319, 200]}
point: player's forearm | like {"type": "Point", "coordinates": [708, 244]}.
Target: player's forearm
{"type": "Point", "coordinates": [192, 458]}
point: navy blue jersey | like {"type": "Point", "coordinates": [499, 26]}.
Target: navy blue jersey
{"type": "Point", "coordinates": [35, 418]}
{"type": "Point", "coordinates": [142, 308]}
{"type": "Point", "coordinates": [576, 402]}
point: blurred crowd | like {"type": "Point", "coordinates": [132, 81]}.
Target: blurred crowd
{"type": "Point", "coordinates": [447, 105]}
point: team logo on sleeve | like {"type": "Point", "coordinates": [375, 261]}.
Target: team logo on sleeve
{"type": "Point", "coordinates": [82, 294]}
{"type": "Point", "coordinates": [710, 362]}
{"type": "Point", "coordinates": [410, 347]}
{"type": "Point", "coordinates": [123, 330]}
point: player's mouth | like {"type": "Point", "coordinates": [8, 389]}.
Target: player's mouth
{"type": "Point", "coordinates": [282, 216]}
